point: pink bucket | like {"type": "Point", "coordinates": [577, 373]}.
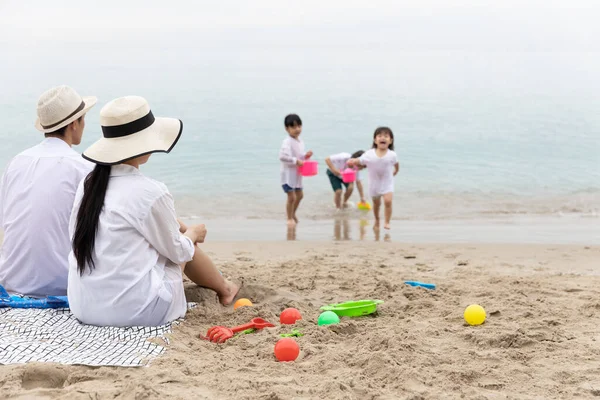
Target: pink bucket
{"type": "Point", "coordinates": [348, 175]}
{"type": "Point", "coordinates": [309, 168]}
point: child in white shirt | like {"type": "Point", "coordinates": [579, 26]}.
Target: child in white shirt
{"type": "Point", "coordinates": [336, 164]}
{"type": "Point", "coordinates": [382, 164]}
{"type": "Point", "coordinates": [292, 156]}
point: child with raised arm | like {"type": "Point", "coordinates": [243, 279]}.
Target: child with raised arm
{"type": "Point", "coordinates": [382, 164]}
{"type": "Point", "coordinates": [336, 164]}
{"type": "Point", "coordinates": [292, 156]}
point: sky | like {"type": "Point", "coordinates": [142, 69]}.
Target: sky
{"type": "Point", "coordinates": [412, 25]}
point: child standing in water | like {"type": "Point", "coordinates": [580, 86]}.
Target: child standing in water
{"type": "Point", "coordinates": [382, 163]}
{"type": "Point", "coordinates": [336, 164]}
{"type": "Point", "coordinates": [292, 156]}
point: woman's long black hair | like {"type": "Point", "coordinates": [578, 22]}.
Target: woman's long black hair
{"type": "Point", "coordinates": [84, 239]}
{"type": "Point", "coordinates": [383, 129]}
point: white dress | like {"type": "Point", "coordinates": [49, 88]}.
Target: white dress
{"type": "Point", "coordinates": [137, 279]}
{"type": "Point", "coordinates": [291, 151]}
{"type": "Point", "coordinates": [380, 171]}
{"type": "Point", "coordinates": [36, 197]}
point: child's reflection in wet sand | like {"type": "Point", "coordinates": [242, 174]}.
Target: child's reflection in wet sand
{"type": "Point", "coordinates": [341, 229]}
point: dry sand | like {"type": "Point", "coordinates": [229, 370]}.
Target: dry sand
{"type": "Point", "coordinates": [539, 342]}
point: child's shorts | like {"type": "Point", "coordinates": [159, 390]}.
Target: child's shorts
{"type": "Point", "coordinates": [287, 188]}
{"type": "Point", "coordinates": [336, 181]}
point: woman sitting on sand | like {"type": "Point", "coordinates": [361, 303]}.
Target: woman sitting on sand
{"type": "Point", "coordinates": [129, 249]}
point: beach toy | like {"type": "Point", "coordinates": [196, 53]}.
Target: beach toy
{"type": "Point", "coordinates": [294, 333]}
{"type": "Point", "coordinates": [328, 318]}
{"type": "Point", "coordinates": [353, 308]}
{"type": "Point", "coordinates": [348, 175]}
{"type": "Point", "coordinates": [430, 286]}
{"type": "Point", "coordinates": [289, 316]}
{"type": "Point", "coordinates": [474, 314]}
{"type": "Point", "coordinates": [364, 206]}
{"type": "Point", "coordinates": [286, 349]}
{"type": "Point", "coordinates": [242, 303]}
{"type": "Point", "coordinates": [220, 334]}
{"type": "Point", "coordinates": [309, 168]}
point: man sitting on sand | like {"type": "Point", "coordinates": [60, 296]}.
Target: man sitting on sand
{"type": "Point", "coordinates": [36, 197]}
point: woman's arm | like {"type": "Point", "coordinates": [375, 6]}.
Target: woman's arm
{"type": "Point", "coordinates": [161, 229]}
{"type": "Point", "coordinates": [196, 233]}
{"type": "Point", "coordinates": [182, 227]}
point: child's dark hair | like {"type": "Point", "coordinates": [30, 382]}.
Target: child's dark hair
{"type": "Point", "coordinates": [358, 153]}
{"type": "Point", "coordinates": [383, 129]}
{"type": "Point", "coordinates": [292, 120]}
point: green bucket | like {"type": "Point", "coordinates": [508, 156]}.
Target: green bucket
{"type": "Point", "coordinates": [353, 308]}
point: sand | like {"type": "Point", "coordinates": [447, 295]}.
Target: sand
{"type": "Point", "coordinates": [539, 341]}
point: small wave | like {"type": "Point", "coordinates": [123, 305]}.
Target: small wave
{"type": "Point", "coordinates": [407, 206]}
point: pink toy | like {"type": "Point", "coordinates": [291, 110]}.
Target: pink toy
{"type": "Point", "coordinates": [348, 175]}
{"type": "Point", "coordinates": [309, 168]}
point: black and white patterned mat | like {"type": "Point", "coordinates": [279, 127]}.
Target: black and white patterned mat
{"type": "Point", "coordinates": [55, 335]}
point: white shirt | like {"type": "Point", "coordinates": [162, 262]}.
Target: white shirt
{"type": "Point", "coordinates": [137, 279]}
{"type": "Point", "coordinates": [36, 197]}
{"type": "Point", "coordinates": [340, 160]}
{"type": "Point", "coordinates": [291, 151]}
{"type": "Point", "coordinates": [380, 170]}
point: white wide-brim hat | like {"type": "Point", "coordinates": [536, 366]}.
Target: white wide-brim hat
{"type": "Point", "coordinates": [60, 106]}
{"type": "Point", "coordinates": [130, 130]}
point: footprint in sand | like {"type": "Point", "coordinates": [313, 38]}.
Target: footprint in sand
{"type": "Point", "coordinates": [43, 377]}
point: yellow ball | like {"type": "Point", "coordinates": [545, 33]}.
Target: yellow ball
{"type": "Point", "coordinates": [474, 314]}
{"type": "Point", "coordinates": [242, 303]}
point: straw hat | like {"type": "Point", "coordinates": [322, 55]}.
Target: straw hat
{"type": "Point", "coordinates": [60, 106]}
{"type": "Point", "coordinates": [130, 130]}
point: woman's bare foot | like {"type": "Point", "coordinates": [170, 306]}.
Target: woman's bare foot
{"type": "Point", "coordinates": [387, 226]}
{"type": "Point", "coordinates": [231, 291]}
{"type": "Point", "coordinates": [291, 223]}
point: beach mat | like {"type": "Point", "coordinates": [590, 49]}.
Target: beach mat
{"type": "Point", "coordinates": [55, 335]}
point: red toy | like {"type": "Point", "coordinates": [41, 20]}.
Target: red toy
{"type": "Point", "coordinates": [220, 334]}
{"type": "Point", "coordinates": [287, 349]}
{"type": "Point", "coordinates": [289, 316]}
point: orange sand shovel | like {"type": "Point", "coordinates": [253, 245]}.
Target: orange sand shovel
{"type": "Point", "coordinates": [220, 334]}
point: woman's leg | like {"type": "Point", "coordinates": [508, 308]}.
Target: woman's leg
{"type": "Point", "coordinates": [203, 272]}
{"type": "Point", "coordinates": [387, 202]}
